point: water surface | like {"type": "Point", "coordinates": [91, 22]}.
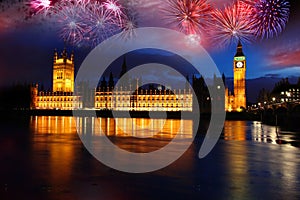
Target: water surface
{"type": "Point", "coordinates": [44, 158]}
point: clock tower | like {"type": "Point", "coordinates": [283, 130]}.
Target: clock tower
{"type": "Point", "coordinates": [239, 76]}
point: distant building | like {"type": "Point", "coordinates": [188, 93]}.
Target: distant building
{"type": "Point", "coordinates": [290, 95]}
{"type": "Point", "coordinates": [236, 101]}
{"type": "Point", "coordinates": [284, 91]}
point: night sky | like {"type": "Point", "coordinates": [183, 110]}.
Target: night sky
{"type": "Point", "coordinates": [26, 47]}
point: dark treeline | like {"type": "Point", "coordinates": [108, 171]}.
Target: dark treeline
{"type": "Point", "coordinates": [15, 97]}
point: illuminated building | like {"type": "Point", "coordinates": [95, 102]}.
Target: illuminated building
{"type": "Point", "coordinates": [237, 101]}
{"type": "Point", "coordinates": [283, 91]}
{"type": "Point", "coordinates": [108, 97]}
{"type": "Point", "coordinates": [290, 95]}
{"type": "Point", "coordinates": [63, 72]}
{"type": "Point", "coordinates": [61, 97]}
{"type": "Point", "coordinates": [145, 100]}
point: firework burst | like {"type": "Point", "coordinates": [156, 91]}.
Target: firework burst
{"type": "Point", "coordinates": [232, 24]}
{"type": "Point", "coordinates": [129, 24]}
{"type": "Point", "coordinates": [81, 22]}
{"type": "Point", "coordinates": [101, 23]}
{"type": "Point", "coordinates": [269, 17]}
{"type": "Point", "coordinates": [39, 6]}
{"type": "Point", "coordinates": [70, 19]}
{"type": "Point", "coordinates": [115, 7]}
{"type": "Point", "coordinates": [189, 16]}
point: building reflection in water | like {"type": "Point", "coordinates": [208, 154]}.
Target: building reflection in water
{"type": "Point", "coordinates": [136, 127]}
{"type": "Point", "coordinates": [57, 146]}
{"type": "Point", "coordinates": [236, 164]}
{"type": "Point", "coordinates": [54, 144]}
{"type": "Point", "coordinates": [123, 127]}
{"type": "Point", "coordinates": [235, 130]}
{"type": "Point", "coordinates": [246, 168]}
{"type": "Point", "coordinates": [246, 130]}
{"type": "Point", "coordinates": [53, 125]}
{"type": "Point", "coordinates": [264, 133]}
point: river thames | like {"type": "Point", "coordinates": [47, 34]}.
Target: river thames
{"type": "Point", "coordinates": [42, 157]}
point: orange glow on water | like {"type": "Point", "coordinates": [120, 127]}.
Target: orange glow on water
{"type": "Point", "coordinates": [235, 130]}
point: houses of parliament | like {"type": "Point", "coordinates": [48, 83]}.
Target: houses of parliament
{"type": "Point", "coordinates": [107, 97]}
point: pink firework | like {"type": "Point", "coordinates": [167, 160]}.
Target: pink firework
{"type": "Point", "coordinates": [269, 17]}
{"type": "Point", "coordinates": [189, 16]}
{"type": "Point", "coordinates": [40, 5]}
{"type": "Point", "coordinates": [88, 22]}
{"type": "Point", "coordinates": [71, 21]}
{"type": "Point", "coordinates": [115, 7]}
{"type": "Point", "coordinates": [100, 23]}
{"type": "Point", "coordinates": [129, 24]}
{"type": "Point", "coordinates": [232, 24]}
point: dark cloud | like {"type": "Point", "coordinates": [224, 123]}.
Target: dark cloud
{"type": "Point", "coordinates": [272, 75]}
{"type": "Point", "coordinates": [285, 56]}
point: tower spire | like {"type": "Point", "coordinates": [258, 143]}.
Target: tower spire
{"type": "Point", "coordinates": [55, 57]}
{"type": "Point", "coordinates": [124, 67]}
{"type": "Point", "coordinates": [72, 56]}
{"type": "Point", "coordinates": [239, 49]}
{"type": "Point", "coordinates": [64, 52]}
{"type": "Point", "coordinates": [239, 44]}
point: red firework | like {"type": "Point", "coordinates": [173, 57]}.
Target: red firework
{"type": "Point", "coordinates": [189, 16]}
{"type": "Point", "coordinates": [232, 24]}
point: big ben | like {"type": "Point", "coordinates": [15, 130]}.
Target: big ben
{"type": "Point", "coordinates": [239, 76]}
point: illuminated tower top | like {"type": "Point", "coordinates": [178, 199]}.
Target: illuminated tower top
{"type": "Point", "coordinates": [63, 72]}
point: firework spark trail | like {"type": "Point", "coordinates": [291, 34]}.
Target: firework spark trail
{"type": "Point", "coordinates": [132, 3]}
{"type": "Point", "coordinates": [129, 24]}
{"type": "Point", "coordinates": [40, 4]}
{"type": "Point", "coordinates": [101, 23]}
{"type": "Point", "coordinates": [189, 16]}
{"type": "Point", "coordinates": [70, 18]}
{"type": "Point", "coordinates": [39, 7]}
{"type": "Point", "coordinates": [232, 24]}
{"type": "Point", "coordinates": [269, 17]}
{"type": "Point", "coordinates": [115, 7]}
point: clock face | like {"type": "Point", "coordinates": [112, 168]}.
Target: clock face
{"type": "Point", "coordinates": [239, 64]}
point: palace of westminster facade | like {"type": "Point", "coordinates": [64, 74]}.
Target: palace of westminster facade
{"type": "Point", "coordinates": [107, 97]}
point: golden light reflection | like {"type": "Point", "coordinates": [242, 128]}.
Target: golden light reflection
{"type": "Point", "coordinates": [236, 157]}
{"type": "Point", "coordinates": [132, 134]}
{"type": "Point", "coordinates": [139, 127]}
{"type": "Point", "coordinates": [237, 166]}
{"type": "Point", "coordinates": [235, 130]}
{"type": "Point", "coordinates": [53, 142]}
{"type": "Point", "coordinates": [235, 153]}
{"type": "Point", "coordinates": [53, 125]}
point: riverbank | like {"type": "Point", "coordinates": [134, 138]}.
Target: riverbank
{"type": "Point", "coordinates": [285, 120]}
{"type": "Point", "coordinates": [124, 114]}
